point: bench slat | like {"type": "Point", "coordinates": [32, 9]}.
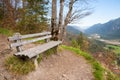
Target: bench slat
{"type": "Point", "coordinates": [32, 52]}
{"type": "Point", "coordinates": [28, 36]}
{"type": "Point", "coordinates": [29, 41]}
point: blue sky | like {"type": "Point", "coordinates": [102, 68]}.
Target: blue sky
{"type": "Point", "coordinates": [104, 10]}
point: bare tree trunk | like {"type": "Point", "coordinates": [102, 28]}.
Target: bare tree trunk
{"type": "Point", "coordinates": [66, 21]}
{"type": "Point", "coordinates": [60, 18]}
{"type": "Point", "coordinates": [16, 14]}
{"type": "Point", "coordinates": [53, 19]}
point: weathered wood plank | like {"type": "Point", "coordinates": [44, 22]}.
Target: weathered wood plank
{"type": "Point", "coordinates": [29, 41]}
{"type": "Point", "coordinates": [32, 52]}
{"type": "Point", "coordinates": [28, 36]}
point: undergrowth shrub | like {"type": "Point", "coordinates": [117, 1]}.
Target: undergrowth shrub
{"type": "Point", "coordinates": [111, 76]}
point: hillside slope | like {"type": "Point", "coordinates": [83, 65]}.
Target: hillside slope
{"type": "Point", "coordinates": [62, 66]}
{"type": "Point", "coordinates": [73, 29]}
{"type": "Point", "coordinates": [109, 30]}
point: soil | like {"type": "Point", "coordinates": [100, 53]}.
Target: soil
{"type": "Point", "coordinates": [64, 65]}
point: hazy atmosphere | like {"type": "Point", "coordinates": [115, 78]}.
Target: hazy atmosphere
{"type": "Point", "coordinates": [103, 11]}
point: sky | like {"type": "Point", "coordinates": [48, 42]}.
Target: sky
{"type": "Point", "coordinates": [103, 11]}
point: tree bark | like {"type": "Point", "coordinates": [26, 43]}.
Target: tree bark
{"type": "Point", "coordinates": [60, 18]}
{"type": "Point", "coordinates": [66, 21]}
{"type": "Point", "coordinates": [53, 19]}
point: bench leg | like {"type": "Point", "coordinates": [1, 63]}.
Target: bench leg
{"type": "Point", "coordinates": [55, 49]}
{"type": "Point", "coordinates": [36, 62]}
{"type": "Point", "coordinates": [19, 48]}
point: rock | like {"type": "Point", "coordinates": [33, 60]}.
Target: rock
{"type": "Point", "coordinates": [8, 77]}
{"type": "Point", "coordinates": [106, 73]}
{"type": "Point", "coordinates": [51, 65]}
{"type": "Point", "coordinates": [100, 55]}
{"type": "Point", "coordinates": [63, 75]}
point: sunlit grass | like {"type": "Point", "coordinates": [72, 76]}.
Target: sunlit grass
{"type": "Point", "coordinates": [37, 42]}
{"type": "Point", "coordinates": [5, 32]}
{"type": "Point", "coordinates": [116, 49]}
{"type": "Point", "coordinates": [40, 42]}
{"type": "Point", "coordinates": [19, 66]}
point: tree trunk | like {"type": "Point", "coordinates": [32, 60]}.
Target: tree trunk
{"type": "Point", "coordinates": [66, 21]}
{"type": "Point", "coordinates": [60, 18]}
{"type": "Point", "coordinates": [53, 19]}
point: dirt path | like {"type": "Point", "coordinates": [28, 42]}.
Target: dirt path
{"type": "Point", "coordinates": [3, 43]}
{"type": "Point", "coordinates": [62, 66]}
{"type": "Point", "coordinates": [4, 52]}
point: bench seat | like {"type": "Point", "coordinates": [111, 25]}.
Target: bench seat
{"type": "Point", "coordinates": [32, 52]}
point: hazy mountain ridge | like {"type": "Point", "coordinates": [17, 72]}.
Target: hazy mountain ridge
{"type": "Point", "coordinates": [109, 30]}
{"type": "Point", "coordinates": [73, 29]}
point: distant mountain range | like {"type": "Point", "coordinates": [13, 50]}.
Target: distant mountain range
{"type": "Point", "coordinates": [74, 29]}
{"type": "Point", "coordinates": [109, 30]}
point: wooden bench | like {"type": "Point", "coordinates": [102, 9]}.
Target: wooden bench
{"type": "Point", "coordinates": [18, 41]}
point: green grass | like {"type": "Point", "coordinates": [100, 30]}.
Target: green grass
{"type": "Point", "coordinates": [5, 32]}
{"type": "Point", "coordinates": [19, 66]}
{"type": "Point", "coordinates": [116, 49]}
{"type": "Point", "coordinates": [40, 42]}
{"type": "Point", "coordinates": [39, 58]}
{"type": "Point", "coordinates": [37, 42]}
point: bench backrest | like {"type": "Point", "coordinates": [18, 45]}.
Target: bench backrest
{"type": "Point", "coordinates": [18, 36]}
{"type": "Point", "coordinates": [16, 39]}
